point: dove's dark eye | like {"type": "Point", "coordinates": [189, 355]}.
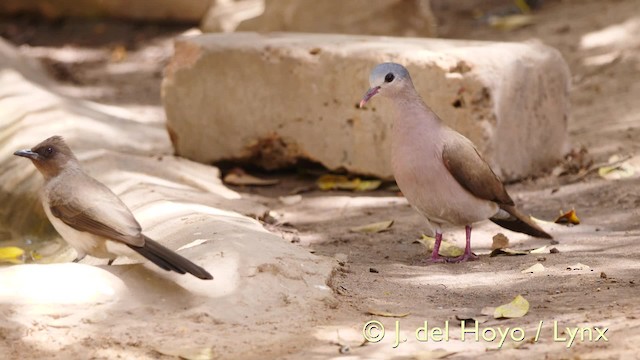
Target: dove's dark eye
{"type": "Point", "coordinates": [389, 78]}
{"type": "Point", "coordinates": [49, 150]}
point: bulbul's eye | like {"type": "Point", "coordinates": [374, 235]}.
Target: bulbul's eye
{"type": "Point", "coordinates": [389, 78]}
{"type": "Point", "coordinates": [49, 151]}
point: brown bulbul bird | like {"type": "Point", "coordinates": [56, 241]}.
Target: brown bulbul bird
{"type": "Point", "coordinates": [90, 217]}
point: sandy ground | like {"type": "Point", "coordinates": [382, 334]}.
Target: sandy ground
{"type": "Point", "coordinates": [387, 271]}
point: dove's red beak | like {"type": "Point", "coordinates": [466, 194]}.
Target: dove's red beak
{"type": "Point", "coordinates": [370, 93]}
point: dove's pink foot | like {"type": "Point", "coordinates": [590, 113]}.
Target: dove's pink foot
{"type": "Point", "coordinates": [468, 255]}
{"type": "Point", "coordinates": [463, 258]}
{"type": "Point", "coordinates": [435, 256]}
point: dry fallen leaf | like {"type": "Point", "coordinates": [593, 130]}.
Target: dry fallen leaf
{"type": "Point", "coordinates": [447, 249]}
{"type": "Point", "coordinates": [387, 314]}
{"type": "Point", "coordinates": [508, 252]}
{"type": "Point", "coordinates": [617, 170]}
{"type": "Point", "coordinates": [540, 250]}
{"type": "Point", "coordinates": [12, 254]}
{"type": "Point", "coordinates": [515, 309]}
{"type": "Point", "coordinates": [368, 185]}
{"type": "Point", "coordinates": [533, 269]}
{"type": "Point", "coordinates": [568, 218]}
{"type": "Point", "coordinates": [118, 53]}
{"type": "Point", "coordinates": [239, 177]}
{"type": "Point", "coordinates": [290, 200]}
{"type": "Point", "coordinates": [523, 6]}
{"type": "Point", "coordinates": [341, 182]}
{"type": "Point", "coordinates": [511, 22]}
{"type": "Point", "coordinates": [579, 266]}
{"type": "Point", "coordinates": [374, 227]}
{"type": "Point", "coordinates": [500, 241]}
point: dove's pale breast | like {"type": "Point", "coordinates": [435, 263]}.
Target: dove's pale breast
{"type": "Point", "coordinates": [419, 170]}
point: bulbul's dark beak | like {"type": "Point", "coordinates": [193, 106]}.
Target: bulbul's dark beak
{"type": "Point", "coordinates": [370, 93]}
{"type": "Point", "coordinates": [26, 153]}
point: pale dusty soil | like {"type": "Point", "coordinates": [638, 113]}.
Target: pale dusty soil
{"type": "Point", "coordinates": [605, 121]}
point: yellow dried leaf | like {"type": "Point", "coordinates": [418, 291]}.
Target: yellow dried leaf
{"type": "Point", "coordinates": [12, 254]}
{"type": "Point", "coordinates": [368, 185]}
{"type": "Point", "coordinates": [241, 178]}
{"type": "Point", "coordinates": [533, 269]}
{"type": "Point", "coordinates": [447, 249]}
{"type": "Point", "coordinates": [387, 314]}
{"type": "Point", "coordinates": [341, 182]}
{"type": "Point", "coordinates": [290, 200]}
{"type": "Point", "coordinates": [579, 266]}
{"type": "Point", "coordinates": [508, 252]}
{"type": "Point", "coordinates": [118, 53]}
{"type": "Point", "coordinates": [523, 6]}
{"type": "Point", "coordinates": [568, 218]}
{"type": "Point", "coordinates": [330, 182]}
{"type": "Point", "coordinates": [616, 172]}
{"type": "Point", "coordinates": [511, 22]}
{"type": "Point", "coordinates": [540, 250]}
{"type": "Point", "coordinates": [374, 227]}
{"type": "Point", "coordinates": [500, 241]}
{"type": "Point", "coordinates": [515, 309]}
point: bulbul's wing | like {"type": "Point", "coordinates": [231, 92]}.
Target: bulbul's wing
{"type": "Point", "coordinates": [91, 207]}
{"type": "Point", "coordinates": [471, 171]}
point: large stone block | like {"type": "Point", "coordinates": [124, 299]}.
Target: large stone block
{"type": "Point", "coordinates": [275, 98]}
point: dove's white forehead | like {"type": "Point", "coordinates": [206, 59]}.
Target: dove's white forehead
{"type": "Point", "coordinates": [380, 71]}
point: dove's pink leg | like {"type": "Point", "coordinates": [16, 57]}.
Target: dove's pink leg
{"type": "Point", "coordinates": [468, 255]}
{"type": "Point", "coordinates": [435, 256]}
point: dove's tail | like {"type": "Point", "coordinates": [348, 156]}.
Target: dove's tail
{"type": "Point", "coordinates": [517, 221]}
{"type": "Point", "coordinates": [169, 260]}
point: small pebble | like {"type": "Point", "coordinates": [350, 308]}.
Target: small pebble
{"type": "Point", "coordinates": [603, 275]}
{"type": "Point", "coordinates": [373, 270]}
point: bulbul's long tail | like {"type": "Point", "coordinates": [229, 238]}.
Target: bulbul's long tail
{"type": "Point", "coordinates": [169, 260]}
{"type": "Point", "coordinates": [519, 222]}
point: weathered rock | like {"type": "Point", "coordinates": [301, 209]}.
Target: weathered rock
{"type": "Point", "coordinates": [279, 97]}
{"type": "Point", "coordinates": [166, 10]}
{"type": "Point", "coordinates": [364, 17]}
{"type": "Point", "coordinates": [72, 311]}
